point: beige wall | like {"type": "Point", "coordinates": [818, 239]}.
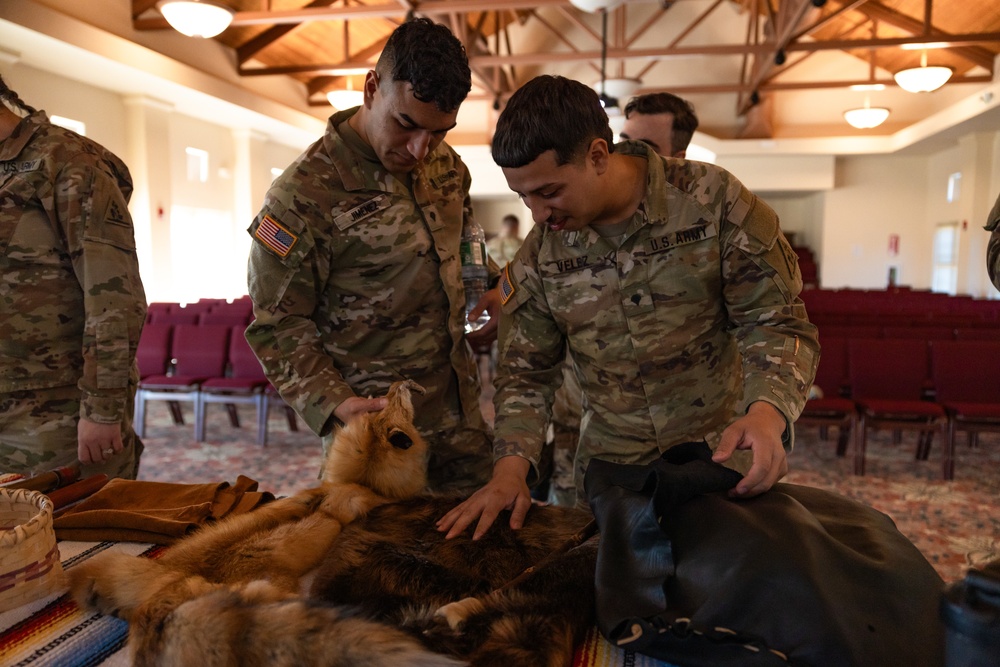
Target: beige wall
{"type": "Point", "coordinates": [178, 261]}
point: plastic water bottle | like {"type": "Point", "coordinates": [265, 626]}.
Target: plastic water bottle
{"type": "Point", "coordinates": [475, 274]}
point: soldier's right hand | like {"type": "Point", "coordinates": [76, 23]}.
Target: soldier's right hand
{"type": "Point", "coordinates": [506, 490]}
{"type": "Point", "coordinates": [355, 406]}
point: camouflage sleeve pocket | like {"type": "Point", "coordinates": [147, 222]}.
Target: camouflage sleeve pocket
{"type": "Point", "coordinates": [512, 290]}
{"type": "Point", "coordinates": [281, 244]}
{"type": "Point", "coordinates": [110, 221]}
{"type": "Point", "coordinates": [282, 234]}
{"type": "Point", "coordinates": [760, 228]}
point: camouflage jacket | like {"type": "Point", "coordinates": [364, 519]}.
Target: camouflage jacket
{"type": "Point", "coordinates": [993, 249]}
{"type": "Point", "coordinates": [673, 334]}
{"type": "Point", "coordinates": [356, 284]}
{"type": "Point", "coordinates": [71, 300]}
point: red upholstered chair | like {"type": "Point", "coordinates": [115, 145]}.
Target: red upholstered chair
{"type": "Point", "coordinates": [153, 357]}
{"type": "Point", "coordinates": [970, 333]}
{"type": "Point", "coordinates": [153, 352]}
{"type": "Point", "coordinates": [225, 318]}
{"type": "Point", "coordinates": [919, 332]}
{"type": "Point", "coordinates": [157, 307]}
{"type": "Point", "coordinates": [888, 377]}
{"type": "Point", "coordinates": [174, 318]}
{"type": "Point", "coordinates": [966, 379]}
{"type": "Point", "coordinates": [200, 354]}
{"type": "Point", "coordinates": [832, 409]}
{"type": "Point", "coordinates": [244, 385]}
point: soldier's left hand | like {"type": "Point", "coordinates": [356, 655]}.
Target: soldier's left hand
{"type": "Point", "coordinates": [482, 339]}
{"type": "Point", "coordinates": [96, 443]}
{"type": "Point", "coordinates": [760, 431]}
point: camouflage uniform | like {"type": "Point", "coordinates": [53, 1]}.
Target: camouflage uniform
{"type": "Point", "coordinates": [71, 300]}
{"type": "Point", "coordinates": [656, 326]}
{"type": "Point", "coordinates": [360, 286]}
{"type": "Point", "coordinates": [993, 249]}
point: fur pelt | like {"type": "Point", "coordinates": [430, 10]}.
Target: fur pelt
{"type": "Point", "coordinates": [354, 573]}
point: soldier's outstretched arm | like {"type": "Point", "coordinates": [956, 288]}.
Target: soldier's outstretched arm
{"type": "Point", "coordinates": [761, 286]}
{"type": "Point", "coordinates": [506, 490]}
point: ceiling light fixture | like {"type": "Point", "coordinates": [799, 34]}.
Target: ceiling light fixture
{"type": "Point", "coordinates": [196, 18]}
{"type": "Point", "coordinates": [346, 98]}
{"type": "Point", "coordinates": [867, 116]}
{"type": "Point", "coordinates": [594, 6]}
{"type": "Point", "coordinates": [922, 79]}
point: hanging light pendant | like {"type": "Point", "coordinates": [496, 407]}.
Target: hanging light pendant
{"type": "Point", "coordinates": [346, 98]}
{"type": "Point", "coordinates": [196, 18]}
{"type": "Point", "coordinates": [867, 116]}
{"type": "Point", "coordinates": [922, 79]}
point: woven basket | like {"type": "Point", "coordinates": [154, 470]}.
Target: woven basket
{"type": "Point", "coordinates": [29, 558]}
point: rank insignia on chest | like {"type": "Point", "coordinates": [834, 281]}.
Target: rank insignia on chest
{"type": "Point", "coordinates": [506, 286]}
{"type": "Point", "coordinates": [275, 236]}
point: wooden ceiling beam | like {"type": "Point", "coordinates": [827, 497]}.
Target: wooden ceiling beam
{"type": "Point", "coordinates": [917, 28]}
{"type": "Point", "coordinates": [140, 7]}
{"type": "Point", "coordinates": [952, 41]}
{"type": "Point", "coordinates": [657, 53]}
{"type": "Point", "coordinates": [252, 47]}
{"type": "Point", "coordinates": [382, 10]}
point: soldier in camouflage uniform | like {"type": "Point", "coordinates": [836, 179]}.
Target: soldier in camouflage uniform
{"type": "Point", "coordinates": [666, 123]}
{"type": "Point", "coordinates": [71, 300]}
{"type": "Point", "coordinates": [355, 271]}
{"type": "Point", "coordinates": [993, 249]}
{"type": "Point", "coordinates": [673, 287]}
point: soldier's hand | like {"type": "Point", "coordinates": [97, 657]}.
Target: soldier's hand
{"type": "Point", "coordinates": [759, 430]}
{"type": "Point", "coordinates": [506, 490]}
{"type": "Point", "coordinates": [97, 443]}
{"type": "Point", "coordinates": [482, 339]}
{"type": "Point", "coordinates": [355, 405]}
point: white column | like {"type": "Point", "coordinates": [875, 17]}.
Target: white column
{"type": "Point", "coordinates": [147, 130]}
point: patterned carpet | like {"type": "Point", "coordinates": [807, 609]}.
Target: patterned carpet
{"type": "Point", "coordinates": [955, 524]}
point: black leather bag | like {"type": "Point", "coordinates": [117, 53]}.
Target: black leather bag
{"type": "Point", "coordinates": [796, 576]}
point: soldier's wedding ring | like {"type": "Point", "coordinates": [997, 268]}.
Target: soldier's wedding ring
{"type": "Point", "coordinates": [109, 451]}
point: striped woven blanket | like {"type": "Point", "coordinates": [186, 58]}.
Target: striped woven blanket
{"type": "Point", "coordinates": [53, 631]}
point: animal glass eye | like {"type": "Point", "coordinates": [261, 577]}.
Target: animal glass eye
{"type": "Point", "coordinates": [400, 440]}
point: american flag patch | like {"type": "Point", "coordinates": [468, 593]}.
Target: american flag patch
{"type": "Point", "coordinates": [275, 236]}
{"type": "Point", "coordinates": [506, 286]}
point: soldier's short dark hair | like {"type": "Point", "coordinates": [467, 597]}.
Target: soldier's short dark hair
{"type": "Point", "coordinates": [549, 113]}
{"type": "Point", "coordinates": [685, 121]}
{"type": "Point", "coordinates": [431, 59]}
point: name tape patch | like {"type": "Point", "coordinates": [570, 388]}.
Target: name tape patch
{"type": "Point", "coordinates": [15, 166]}
{"type": "Point", "coordinates": [360, 212]}
{"type": "Point", "coordinates": [275, 236]}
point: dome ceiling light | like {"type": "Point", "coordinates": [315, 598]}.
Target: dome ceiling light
{"type": "Point", "coordinates": [196, 18]}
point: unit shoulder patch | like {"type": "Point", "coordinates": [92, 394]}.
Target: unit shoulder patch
{"type": "Point", "coordinates": [275, 236]}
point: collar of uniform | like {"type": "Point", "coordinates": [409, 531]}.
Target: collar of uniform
{"type": "Point", "coordinates": [12, 146]}
{"type": "Point", "coordinates": [655, 201]}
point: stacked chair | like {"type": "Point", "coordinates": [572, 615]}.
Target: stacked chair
{"type": "Point", "coordinates": [905, 360]}
{"type": "Point", "coordinates": [197, 353]}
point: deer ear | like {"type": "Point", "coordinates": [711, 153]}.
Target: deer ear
{"type": "Point", "coordinates": [400, 440]}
